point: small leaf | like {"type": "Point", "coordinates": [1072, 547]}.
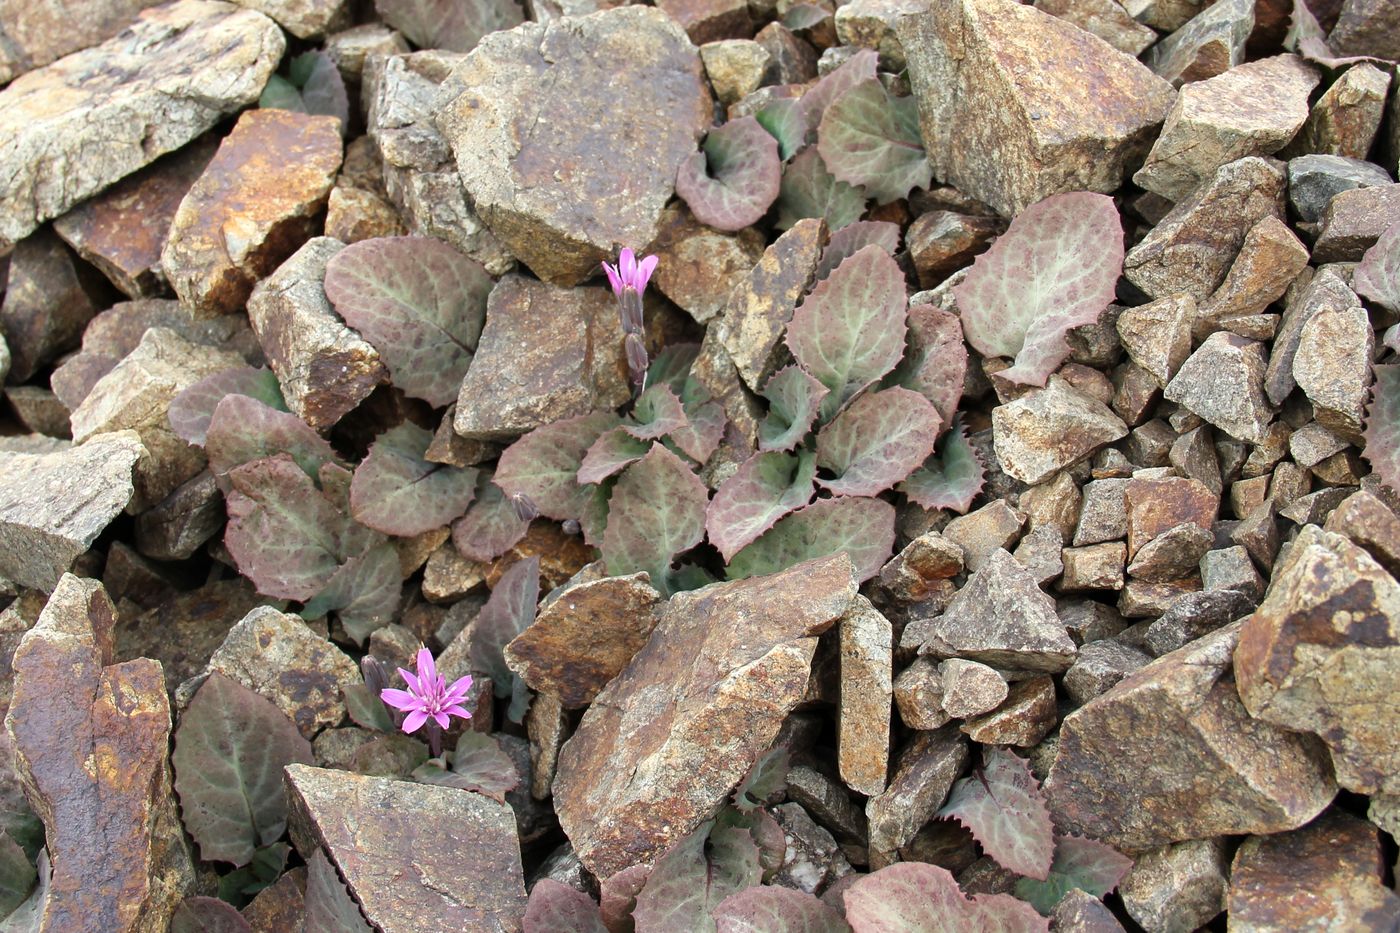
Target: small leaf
{"type": "Point", "coordinates": [1055, 268]}
{"type": "Point", "coordinates": [280, 94]}
{"type": "Point", "coordinates": [366, 709]}
{"type": "Point", "coordinates": [420, 302]}
{"type": "Point", "coordinates": [322, 87]}
{"type": "Point", "coordinates": [699, 437]}
{"type": "Point", "coordinates": [767, 776]}
{"type": "Point", "coordinates": [850, 330]}
{"type": "Point", "coordinates": [554, 907]}
{"type": "Point", "coordinates": [852, 238]}
{"type": "Point", "coordinates": [1003, 806]}
{"type": "Point", "coordinates": [949, 479]}
{"type": "Point", "coordinates": [483, 767]}
{"type": "Point", "coordinates": [794, 398]}
{"type": "Point", "coordinates": [733, 180]}
{"type": "Point", "coordinates": [859, 68]}
{"type": "Point", "coordinates": [491, 526]}
{"type": "Point", "coordinates": [672, 366]}
{"type": "Point", "coordinates": [544, 464]}
{"type": "Point", "coordinates": [364, 592]}
{"type": "Point", "coordinates": [284, 535]}
{"type": "Point", "coordinates": [617, 897]}
{"type": "Point", "coordinates": [1081, 863]}
{"type": "Point", "coordinates": [243, 429]}
{"type": "Point", "coordinates": [870, 139]}
{"type": "Point", "coordinates": [878, 440]}
{"type": "Point", "coordinates": [509, 610]}
{"type": "Point", "coordinates": [766, 487]}
{"type": "Point", "coordinates": [1383, 425]}
{"type": "Point", "coordinates": [656, 512]}
{"type": "Point", "coordinates": [915, 897]}
{"type": "Point", "coordinates": [777, 910]}
{"type": "Point", "coordinates": [329, 906]}
{"type": "Point", "coordinates": [809, 190]}
{"type": "Point", "coordinates": [658, 412]}
{"type": "Point", "coordinates": [691, 879]}
{"type": "Point", "coordinates": [191, 410]}
{"type": "Point", "coordinates": [207, 915]}
{"type": "Point", "coordinates": [17, 875]}
{"type": "Point", "coordinates": [611, 454]}
{"type": "Point", "coordinates": [935, 361]}
{"type": "Point", "coordinates": [398, 492]}
{"type": "Point", "coordinates": [785, 119]}
{"type": "Point", "coordinates": [1377, 275]}
{"type": "Point", "coordinates": [863, 528]}
{"type": "Point", "coordinates": [230, 749]}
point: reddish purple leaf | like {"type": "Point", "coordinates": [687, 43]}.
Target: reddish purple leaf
{"type": "Point", "coordinates": [398, 492]}
{"type": "Point", "coordinates": [243, 429]}
{"type": "Point", "coordinates": [657, 511]}
{"type": "Point", "coordinates": [878, 440]}
{"type": "Point", "coordinates": [776, 910]}
{"type": "Point", "coordinates": [1081, 863]}
{"type": "Point", "coordinates": [617, 897]}
{"type": "Point", "coordinates": [192, 409]}
{"type": "Point", "coordinates": [509, 610]}
{"type": "Point", "coordinates": [364, 593]}
{"type": "Point", "coordinates": [420, 302]}
{"type": "Point", "coordinates": [491, 526]}
{"type": "Point", "coordinates": [915, 897]}
{"type": "Point", "coordinates": [454, 25]}
{"type": "Point", "coordinates": [1383, 426]}
{"type": "Point", "coordinates": [808, 189]}
{"type": "Point", "coordinates": [871, 139]}
{"type": "Point", "coordinates": [766, 487]}
{"type": "Point", "coordinates": [1308, 39]}
{"type": "Point", "coordinates": [859, 67]}
{"type": "Point", "coordinates": [1055, 268]}
{"type": "Point", "coordinates": [786, 121]}
{"type": "Point", "coordinates": [208, 915]}
{"type": "Point", "coordinates": [863, 528]}
{"type": "Point", "coordinates": [1377, 275]}
{"type": "Point", "coordinates": [322, 87]}
{"type": "Point", "coordinates": [692, 878]}
{"type": "Point", "coordinates": [557, 908]}
{"type": "Point", "coordinates": [733, 180]}
{"type": "Point", "coordinates": [794, 398]}
{"type": "Point", "coordinates": [949, 479]}
{"type": "Point", "coordinates": [658, 412]}
{"type": "Point", "coordinates": [935, 362]}
{"type": "Point", "coordinates": [852, 238]}
{"type": "Point", "coordinates": [544, 464]}
{"type": "Point", "coordinates": [610, 454]}
{"type": "Point", "coordinates": [329, 906]}
{"type": "Point", "coordinates": [478, 765]}
{"type": "Point", "coordinates": [1003, 806]}
{"type": "Point", "coordinates": [699, 437]}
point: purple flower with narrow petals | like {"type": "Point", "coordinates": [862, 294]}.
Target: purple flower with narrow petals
{"type": "Point", "coordinates": [629, 273]}
{"type": "Point", "coordinates": [428, 695]}
{"type": "Point", "coordinates": [629, 279]}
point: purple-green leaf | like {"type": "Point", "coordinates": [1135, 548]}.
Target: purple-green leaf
{"type": "Point", "coordinates": [852, 238]}
{"type": "Point", "coordinates": [672, 366]}
{"type": "Point", "coordinates": [617, 897]}
{"type": "Point", "coordinates": [509, 610]}
{"type": "Point", "coordinates": [809, 190]}
{"type": "Point", "coordinates": [329, 906]}
{"type": "Point", "coordinates": [777, 910]}
{"type": "Point", "coordinates": [949, 479]}
{"type": "Point", "coordinates": [1091, 866]}
{"type": "Point", "coordinates": [1383, 425]}
{"type": "Point", "coordinates": [322, 87]}
{"type": "Point", "coordinates": [1377, 275]}
{"type": "Point", "coordinates": [876, 441]}
{"type": "Point", "coordinates": [243, 429]}
{"type": "Point", "coordinates": [398, 492]}
{"type": "Point", "coordinates": [478, 765]}
{"type": "Point", "coordinates": [554, 907]}
{"type": "Point", "coordinates": [1055, 268]}
{"type": "Point", "coordinates": [611, 454]}
{"type": "Point", "coordinates": [850, 330]}
{"type": "Point", "coordinates": [491, 526]}
{"type": "Point", "coordinates": [915, 897]}
{"type": "Point", "coordinates": [935, 361]}
{"type": "Point", "coordinates": [766, 487]}
{"type": "Point", "coordinates": [420, 302]}
{"type": "Point", "coordinates": [700, 435]}
{"type": "Point", "coordinates": [856, 69]}
{"type": "Point", "coordinates": [454, 25]}
{"type": "Point", "coordinates": [191, 410]}
{"type": "Point", "coordinates": [230, 749]}
{"type": "Point", "coordinates": [862, 527]}
{"type": "Point", "coordinates": [658, 412]}
{"type": "Point", "coordinates": [767, 776]}
{"type": "Point", "coordinates": [871, 139]}
{"type": "Point", "coordinates": [691, 879]}
{"type": "Point", "coordinates": [733, 180]}
{"type": "Point", "coordinates": [785, 119]}
{"type": "Point", "coordinates": [364, 592]}
{"type": "Point", "coordinates": [794, 398]}
{"type": "Point", "coordinates": [656, 512]}
{"type": "Point", "coordinates": [544, 464]}
{"type": "Point", "coordinates": [208, 915]}
{"type": "Point", "coordinates": [1004, 808]}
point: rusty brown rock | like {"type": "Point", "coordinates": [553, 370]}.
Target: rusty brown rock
{"type": "Point", "coordinates": [254, 205]}
{"type": "Point", "coordinates": [1157, 335]}
{"type": "Point", "coordinates": [1270, 259]}
{"type": "Point", "coordinates": [700, 266]}
{"type": "Point", "coordinates": [185, 630]}
{"type": "Point", "coordinates": [1154, 506]}
{"type": "Point", "coordinates": [1049, 429]}
{"type": "Point", "coordinates": [37, 33]}
{"type": "Point", "coordinates": [942, 242]}
{"type": "Point", "coordinates": [710, 20]}
{"type": "Point", "coordinates": [91, 742]}
{"type": "Point", "coordinates": [1106, 19]}
{"type": "Point", "coordinates": [871, 24]}
{"type": "Point", "coordinates": [863, 722]}
{"type": "Point", "coordinates": [1369, 522]}
{"type": "Point", "coordinates": [920, 570]}
{"type": "Point", "coordinates": [669, 738]}
{"type": "Point", "coordinates": [924, 774]}
{"type": "Point", "coordinates": [1093, 567]}
{"type": "Point", "coordinates": [1178, 887]}
{"type": "Point", "coordinates": [1347, 118]}
{"type": "Point", "coordinates": [49, 298]}
{"type": "Point", "coordinates": [404, 877]}
{"type": "Point", "coordinates": [1367, 27]}
{"type": "Point", "coordinates": [585, 637]}
{"type": "Point", "coordinates": [918, 692]}
{"type": "Point", "coordinates": [1332, 365]}
{"type": "Point", "coordinates": [1354, 220]}
{"type": "Point", "coordinates": [1026, 717]}
{"type": "Point", "coordinates": [280, 906]}
{"type": "Point", "coordinates": [561, 555]}
{"type": "Point", "coordinates": [981, 533]}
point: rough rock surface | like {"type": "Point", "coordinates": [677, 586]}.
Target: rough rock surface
{"type": "Point", "coordinates": [697, 706]}
{"type": "Point", "coordinates": [1177, 887]}
{"type": "Point", "coordinates": [49, 298]}
{"type": "Point", "coordinates": [1313, 180]}
{"type": "Point", "coordinates": [305, 19]}
{"type": "Point", "coordinates": [38, 33]}
{"type": "Point", "coordinates": [1209, 44]}
{"type": "Point", "coordinates": [924, 774]}
{"type": "Point", "coordinates": [1106, 19]}
{"type": "Point", "coordinates": [863, 724]}
{"type": "Point", "coordinates": [1049, 429]}
{"type": "Point", "coordinates": [700, 266]}
{"type": "Point", "coordinates": [169, 77]}
{"type": "Point", "coordinates": [1223, 383]}
{"type": "Point", "coordinates": [1332, 365]}
{"type": "Point", "coordinates": [182, 632]}
{"type": "Point", "coordinates": [1346, 119]}
{"type": "Point", "coordinates": [562, 169]}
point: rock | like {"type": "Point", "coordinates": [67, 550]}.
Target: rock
{"type": "Point", "coordinates": [1313, 180]}
{"type": "Point", "coordinates": [1157, 335]}
{"type": "Point", "coordinates": [1332, 365]}
{"type": "Point", "coordinates": [1000, 617]}
{"type": "Point", "coordinates": [922, 567]}
{"type": "Point", "coordinates": [584, 638]}
{"type": "Point", "coordinates": [1194, 245]}
{"type": "Point", "coordinates": [325, 368]}
{"type": "Point", "coordinates": [1156, 506]}
{"type": "Point", "coordinates": [351, 49]}
{"type": "Point", "coordinates": [185, 630]}
{"type": "Point", "coordinates": [112, 829]}
{"type": "Point", "coordinates": [732, 659]}
{"type": "Point", "coordinates": [872, 24]}
{"type": "Point", "coordinates": [1053, 505]}
{"type": "Point", "coordinates": [1347, 118]}
{"type": "Point", "coordinates": [38, 410]}
{"type": "Point", "coordinates": [1103, 516]}
{"type": "Point", "coordinates": [811, 859]}
{"type": "Point", "coordinates": [1354, 220]}
{"type": "Point", "coordinates": [564, 200]}
{"type": "Point", "coordinates": [1101, 664]}
{"type": "Point", "coordinates": [1231, 569]}
{"type": "Point", "coordinates": [1040, 552]}
{"type": "Point", "coordinates": [1177, 887]}
{"type": "Point", "coordinates": [794, 60]}
{"type": "Point", "coordinates": [980, 534]}
{"type": "Point", "coordinates": [545, 353]}
{"type": "Point", "coordinates": [1192, 615]}
{"type": "Point", "coordinates": [1105, 19]}
{"type": "Point", "coordinates": [253, 206]}
{"type": "Point", "coordinates": [54, 505]}
{"type": "Point", "coordinates": [180, 524]}
{"type": "Point", "coordinates": [279, 906]}
{"type": "Point", "coordinates": [942, 242]}
{"type": "Point", "coordinates": [353, 214]}
{"type": "Point", "coordinates": [1096, 567]}
{"type": "Point", "coordinates": [1049, 429]}
{"type": "Point", "coordinates": [1279, 882]}
{"type": "Point", "coordinates": [170, 76]}
{"type": "Point", "coordinates": [827, 801]}
{"type": "Point", "coordinates": [1081, 912]}
{"type": "Point", "coordinates": [37, 33]}
{"type": "Point", "coordinates": [1223, 383]}
{"type": "Point", "coordinates": [1270, 259]}
{"type": "Point", "coordinates": [1170, 754]}
{"type": "Point", "coordinates": [1250, 110]}
{"type": "Point", "coordinates": [1366, 27]}
{"type": "Point", "coordinates": [280, 657]}
{"type": "Point", "coordinates": [700, 266]}
{"type": "Point", "coordinates": [403, 878]}
{"type": "Point", "coordinates": [1326, 291]}
{"type": "Point", "coordinates": [970, 688]}
{"type": "Point", "coordinates": [1026, 717]}
{"type": "Point", "coordinates": [49, 298]}
{"type": "Point", "coordinates": [918, 692]}
{"type": "Point", "coordinates": [1311, 508]}
{"type": "Point", "coordinates": [863, 722]}
{"type": "Point", "coordinates": [1369, 522]}
{"type": "Point", "coordinates": [1165, 15]}
{"type": "Point", "coordinates": [305, 19]}
{"type": "Point", "coordinates": [1320, 655]}
{"type": "Point", "coordinates": [708, 21]}
{"type": "Point", "coordinates": [1209, 44]}
{"type": "Point", "coordinates": [927, 768]}
{"type": "Point", "coordinates": [1091, 112]}
{"type": "Point", "coordinates": [1088, 620]}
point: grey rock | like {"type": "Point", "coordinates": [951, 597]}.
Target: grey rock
{"type": "Point", "coordinates": [305, 19]}
{"type": "Point", "coordinates": [1101, 664]}
{"type": "Point", "coordinates": [870, 24]}
{"type": "Point", "coordinates": [1157, 335]}
{"type": "Point", "coordinates": [1104, 516]}
{"type": "Point", "coordinates": [1209, 44]}
{"type": "Point", "coordinates": [37, 32]}
{"type": "Point", "coordinates": [1177, 888]}
{"type": "Point", "coordinates": [811, 860]}
{"type": "Point", "coordinates": [826, 800]}
{"type": "Point", "coordinates": [1081, 912]}
{"type": "Point", "coordinates": [1231, 569]}
{"type": "Point", "coordinates": [927, 768]}
{"type": "Point", "coordinates": [1095, 567]}
{"type": "Point", "coordinates": [1313, 180]}
{"type": "Point", "coordinates": [1332, 365]}
{"type": "Point", "coordinates": [351, 49]}
{"type": "Point", "coordinates": [1192, 615]}
{"type": "Point", "coordinates": [1223, 383]}
{"type": "Point", "coordinates": [735, 67]}
{"type": "Point", "coordinates": [1174, 554]}
{"type": "Point", "coordinates": [1049, 429]}
{"type": "Point", "coordinates": [1354, 220]}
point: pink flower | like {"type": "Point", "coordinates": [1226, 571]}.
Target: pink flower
{"type": "Point", "coordinates": [629, 273]}
{"type": "Point", "coordinates": [428, 695]}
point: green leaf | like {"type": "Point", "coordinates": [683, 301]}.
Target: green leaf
{"type": "Point", "coordinates": [876, 441]}
{"type": "Point", "coordinates": [491, 526]}
{"type": "Point", "coordinates": [690, 880]}
{"type": "Point", "coordinates": [398, 492]}
{"type": "Point", "coordinates": [366, 709]}
{"type": "Point", "coordinates": [17, 875]}
{"type": "Point", "coordinates": [243, 429]}
{"type": "Point", "coordinates": [657, 511]}
{"type": "Point", "coordinates": [871, 139]}
{"type": "Point", "coordinates": [544, 464]}
{"type": "Point", "coordinates": [733, 180]}
{"type": "Point", "coordinates": [785, 119]}
{"type": "Point", "coordinates": [949, 479]}
{"type": "Point", "coordinates": [699, 437]}
{"type": "Point", "coordinates": [611, 454]}
{"type": "Point", "coordinates": [509, 610]}
{"type": "Point", "coordinates": [454, 25]}
{"type": "Point", "coordinates": [773, 909]}
{"type": "Point", "coordinates": [230, 749]}
{"type": "Point", "coordinates": [478, 765]}
{"type": "Point", "coordinates": [281, 94]}
{"type": "Point", "coordinates": [1081, 863]}
{"type": "Point", "coordinates": [329, 906]}
{"type": "Point", "coordinates": [794, 399]}
{"type": "Point", "coordinates": [1001, 803]}
{"type": "Point", "coordinates": [863, 528]}
{"type": "Point", "coordinates": [767, 776]}
{"type": "Point", "coordinates": [658, 412]}
{"type": "Point", "coordinates": [766, 487]}
{"type": "Point", "coordinates": [364, 592]}
{"type": "Point", "coordinates": [852, 238]}
{"type": "Point", "coordinates": [241, 885]}
{"type": "Point", "coordinates": [192, 409]}
{"type": "Point", "coordinates": [672, 366]}
{"type": "Point", "coordinates": [809, 190]}
{"type": "Point", "coordinates": [915, 897]}
{"type": "Point", "coordinates": [858, 68]}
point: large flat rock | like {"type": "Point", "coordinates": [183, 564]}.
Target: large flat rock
{"type": "Point", "coordinates": [34, 33]}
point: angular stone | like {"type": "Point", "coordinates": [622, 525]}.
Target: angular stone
{"type": "Point", "coordinates": [280, 906]}
{"type": "Point", "coordinates": [305, 19]}
{"type": "Point", "coordinates": [1347, 118]}
{"type": "Point", "coordinates": [1103, 517]}
{"type": "Point", "coordinates": [1041, 553]}
{"type": "Point", "coordinates": [1194, 245]}
{"type": "Point", "coordinates": [970, 688]}
{"type": "Point", "coordinates": [1309, 508]}
{"type": "Point", "coordinates": [38, 33]}
{"type": "Point", "coordinates": [1155, 506]}
{"type": "Point", "coordinates": [1280, 882]}
{"type": "Point", "coordinates": [1170, 754]}
{"type": "Point", "coordinates": [91, 742]}
{"type": "Point", "coordinates": [827, 801]}
{"type": "Point", "coordinates": [1313, 180]}
{"type": "Point", "coordinates": [546, 353]}
{"type": "Point", "coordinates": [1332, 365]}
{"type": "Point", "coordinates": [1231, 569]}
{"type": "Point", "coordinates": [980, 534]}
{"type": "Point", "coordinates": [585, 637]}
{"type": "Point", "coordinates": [1177, 887]}
{"type": "Point", "coordinates": [1028, 715]}
{"type": "Point", "coordinates": [812, 860]}
{"type": "Point", "coordinates": [53, 506]}
{"type": "Point", "coordinates": [942, 242]}
{"type": "Point", "coordinates": [170, 76]}
{"type": "Point", "coordinates": [1088, 620]}
{"type": "Point", "coordinates": [1369, 522]}
{"type": "Point", "coordinates": [1157, 335]}
{"type": "Point", "coordinates": [253, 206]}
{"type": "Point", "coordinates": [700, 266]}
{"type": "Point", "coordinates": [1049, 429]}
{"type": "Point", "coordinates": [280, 657]}
{"type": "Point", "coordinates": [1101, 664]}
{"type": "Point", "coordinates": [38, 410]}
{"type": "Point", "coordinates": [351, 49]}
{"type": "Point", "coordinates": [1103, 18]}
{"type": "Point", "coordinates": [1354, 220]}
{"type": "Point", "coordinates": [872, 24]}
{"type": "Point", "coordinates": [920, 569]}
{"type": "Point", "coordinates": [1367, 27]}
{"type": "Point", "coordinates": [1192, 615]}
{"type": "Point", "coordinates": [1324, 291]}
{"type": "Point", "coordinates": [1209, 44]}
{"type": "Point", "coordinates": [325, 368]}
{"type": "Point", "coordinates": [185, 630]}
{"type": "Point", "coordinates": [1054, 504]}
{"type": "Point", "coordinates": [927, 768]}
{"type": "Point", "coordinates": [180, 524]}
{"type": "Point", "coordinates": [710, 20]}
{"type": "Point", "coordinates": [794, 59]}
{"type": "Point", "coordinates": [1000, 617]}
{"type": "Point", "coordinates": [353, 214]}
{"type": "Point", "coordinates": [1223, 383]}
{"type": "Point", "coordinates": [863, 722]}
{"type": "Point", "coordinates": [49, 298]}
{"type": "Point", "coordinates": [562, 200]}
{"type": "Point", "coordinates": [1081, 912]}
{"type": "Point", "coordinates": [1165, 15]}
{"type": "Point", "coordinates": [372, 830]}
{"type": "Point", "coordinates": [733, 659]}
{"type": "Point", "coordinates": [1096, 567]}
{"type": "Point", "coordinates": [918, 692]}
{"type": "Point", "coordinates": [735, 67]}
{"type": "Point", "coordinates": [1092, 111]}
{"type": "Point", "coordinates": [1270, 259]}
